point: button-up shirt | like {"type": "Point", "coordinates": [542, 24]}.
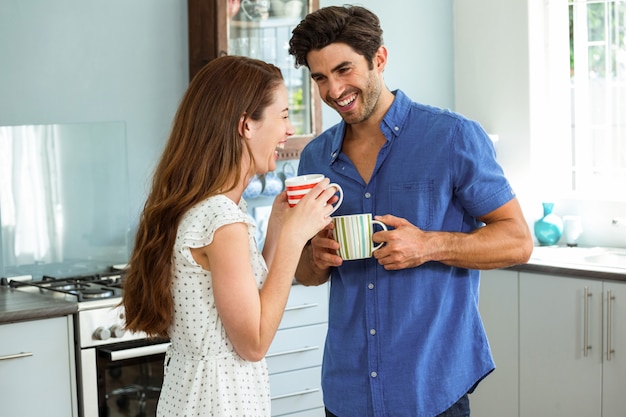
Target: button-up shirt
{"type": "Point", "coordinates": [409, 342]}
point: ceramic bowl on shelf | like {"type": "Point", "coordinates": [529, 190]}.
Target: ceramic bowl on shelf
{"type": "Point", "coordinates": [277, 8]}
{"type": "Point", "coordinates": [254, 188]}
{"type": "Point", "coordinates": [272, 185]}
{"type": "Point", "coordinates": [293, 8]}
{"type": "Point", "coordinates": [255, 9]}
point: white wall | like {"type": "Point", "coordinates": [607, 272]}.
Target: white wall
{"type": "Point", "coordinates": [491, 74]}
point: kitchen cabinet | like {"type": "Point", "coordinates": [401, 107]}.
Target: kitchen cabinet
{"type": "Point", "coordinates": [259, 29]}
{"type": "Point", "coordinates": [497, 395]}
{"type": "Point", "coordinates": [567, 325]}
{"type": "Point", "coordinates": [559, 343]}
{"type": "Point", "coordinates": [295, 356]}
{"type": "Point", "coordinates": [37, 372]}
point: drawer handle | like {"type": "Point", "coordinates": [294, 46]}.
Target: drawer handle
{"type": "Point", "coordinates": [301, 307]}
{"type": "Point", "coordinates": [16, 356]}
{"type": "Point", "coordinates": [586, 345]}
{"type": "Point", "coordinates": [289, 352]}
{"type": "Point", "coordinates": [295, 394]}
{"type": "Point", "coordinates": [609, 350]}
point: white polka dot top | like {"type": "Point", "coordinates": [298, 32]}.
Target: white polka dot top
{"type": "Point", "coordinates": [204, 376]}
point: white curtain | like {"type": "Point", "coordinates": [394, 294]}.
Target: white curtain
{"type": "Point", "coordinates": [30, 205]}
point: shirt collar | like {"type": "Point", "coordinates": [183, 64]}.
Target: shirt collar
{"type": "Point", "coordinates": [391, 125]}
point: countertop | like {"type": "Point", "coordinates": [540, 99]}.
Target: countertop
{"type": "Point", "coordinates": [603, 263]}
{"type": "Point", "coordinates": [16, 305]}
{"type": "Point", "coordinates": [571, 270]}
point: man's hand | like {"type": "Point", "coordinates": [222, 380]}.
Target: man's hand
{"type": "Point", "coordinates": [404, 244]}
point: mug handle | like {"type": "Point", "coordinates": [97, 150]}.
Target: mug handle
{"type": "Point", "coordinates": [340, 191]}
{"type": "Point", "coordinates": [384, 226]}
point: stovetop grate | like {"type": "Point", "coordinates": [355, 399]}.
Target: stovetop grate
{"type": "Point", "coordinates": [84, 288]}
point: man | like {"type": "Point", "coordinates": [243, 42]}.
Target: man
{"type": "Point", "coordinates": [405, 337]}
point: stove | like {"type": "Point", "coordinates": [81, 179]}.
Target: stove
{"type": "Point", "coordinates": [118, 372]}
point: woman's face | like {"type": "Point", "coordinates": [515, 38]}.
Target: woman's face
{"type": "Point", "coordinates": [270, 133]}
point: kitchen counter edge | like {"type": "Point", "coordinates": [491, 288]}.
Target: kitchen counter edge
{"type": "Point", "coordinates": [18, 306]}
{"type": "Point", "coordinates": [578, 271]}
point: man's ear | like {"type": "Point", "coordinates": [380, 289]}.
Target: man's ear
{"type": "Point", "coordinates": [380, 58]}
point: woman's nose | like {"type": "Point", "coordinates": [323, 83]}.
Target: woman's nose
{"type": "Point", "coordinates": [290, 129]}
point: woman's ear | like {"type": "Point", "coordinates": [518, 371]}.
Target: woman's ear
{"type": "Point", "coordinates": [244, 127]}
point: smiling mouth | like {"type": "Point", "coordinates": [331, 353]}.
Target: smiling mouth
{"type": "Point", "coordinates": [346, 101]}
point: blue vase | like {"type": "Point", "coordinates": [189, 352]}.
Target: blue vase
{"type": "Point", "coordinates": [549, 228]}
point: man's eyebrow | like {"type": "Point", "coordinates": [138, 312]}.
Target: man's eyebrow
{"type": "Point", "coordinates": [335, 69]}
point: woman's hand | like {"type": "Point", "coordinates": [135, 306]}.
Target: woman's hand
{"type": "Point", "coordinates": [303, 221]}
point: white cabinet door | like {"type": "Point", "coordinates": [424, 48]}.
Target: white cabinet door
{"type": "Point", "coordinates": [614, 366]}
{"type": "Point", "coordinates": [497, 395]}
{"type": "Point", "coordinates": [37, 368]}
{"type": "Point", "coordinates": [558, 317]}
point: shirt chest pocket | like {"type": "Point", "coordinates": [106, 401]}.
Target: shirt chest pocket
{"type": "Point", "coordinates": [413, 201]}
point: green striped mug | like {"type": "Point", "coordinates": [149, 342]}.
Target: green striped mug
{"type": "Point", "coordinates": [354, 234]}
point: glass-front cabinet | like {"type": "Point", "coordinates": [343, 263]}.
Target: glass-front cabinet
{"type": "Point", "coordinates": [259, 29]}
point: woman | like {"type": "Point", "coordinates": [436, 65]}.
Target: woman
{"type": "Point", "coordinates": [196, 274]}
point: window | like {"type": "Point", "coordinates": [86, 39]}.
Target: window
{"type": "Point", "coordinates": [597, 40]}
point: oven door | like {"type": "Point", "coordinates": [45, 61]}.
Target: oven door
{"type": "Point", "coordinates": [129, 378]}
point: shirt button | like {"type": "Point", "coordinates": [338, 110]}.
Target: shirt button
{"type": "Point", "coordinates": [396, 128]}
{"type": "Point", "coordinates": [367, 195]}
{"type": "Point", "coordinates": [372, 332]}
{"type": "Point", "coordinates": [370, 286]}
{"type": "Point", "coordinates": [373, 374]}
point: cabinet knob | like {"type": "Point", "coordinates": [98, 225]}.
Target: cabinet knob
{"type": "Point", "coordinates": [102, 333]}
{"type": "Point", "coordinates": [117, 331]}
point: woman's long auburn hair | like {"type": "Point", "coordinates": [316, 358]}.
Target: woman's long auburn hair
{"type": "Point", "coordinates": [203, 157]}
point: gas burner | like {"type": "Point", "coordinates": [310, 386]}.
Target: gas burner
{"type": "Point", "coordinates": [83, 288]}
{"type": "Point", "coordinates": [91, 293]}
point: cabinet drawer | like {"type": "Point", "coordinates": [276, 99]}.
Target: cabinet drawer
{"type": "Point", "coordinates": [37, 361]}
{"type": "Point", "coordinates": [297, 348]}
{"type": "Point", "coordinates": [306, 305]}
{"type": "Point", "coordinates": [296, 391]}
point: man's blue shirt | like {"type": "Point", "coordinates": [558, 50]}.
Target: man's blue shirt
{"type": "Point", "coordinates": [409, 342]}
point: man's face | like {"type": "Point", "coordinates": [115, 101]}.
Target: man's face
{"type": "Point", "coordinates": [345, 81]}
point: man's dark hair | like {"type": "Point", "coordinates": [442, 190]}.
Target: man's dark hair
{"type": "Point", "coordinates": [355, 26]}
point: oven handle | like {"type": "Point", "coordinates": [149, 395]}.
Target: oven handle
{"type": "Point", "coordinates": [118, 355]}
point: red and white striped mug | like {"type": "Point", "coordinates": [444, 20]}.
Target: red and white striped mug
{"type": "Point", "coordinates": [298, 187]}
